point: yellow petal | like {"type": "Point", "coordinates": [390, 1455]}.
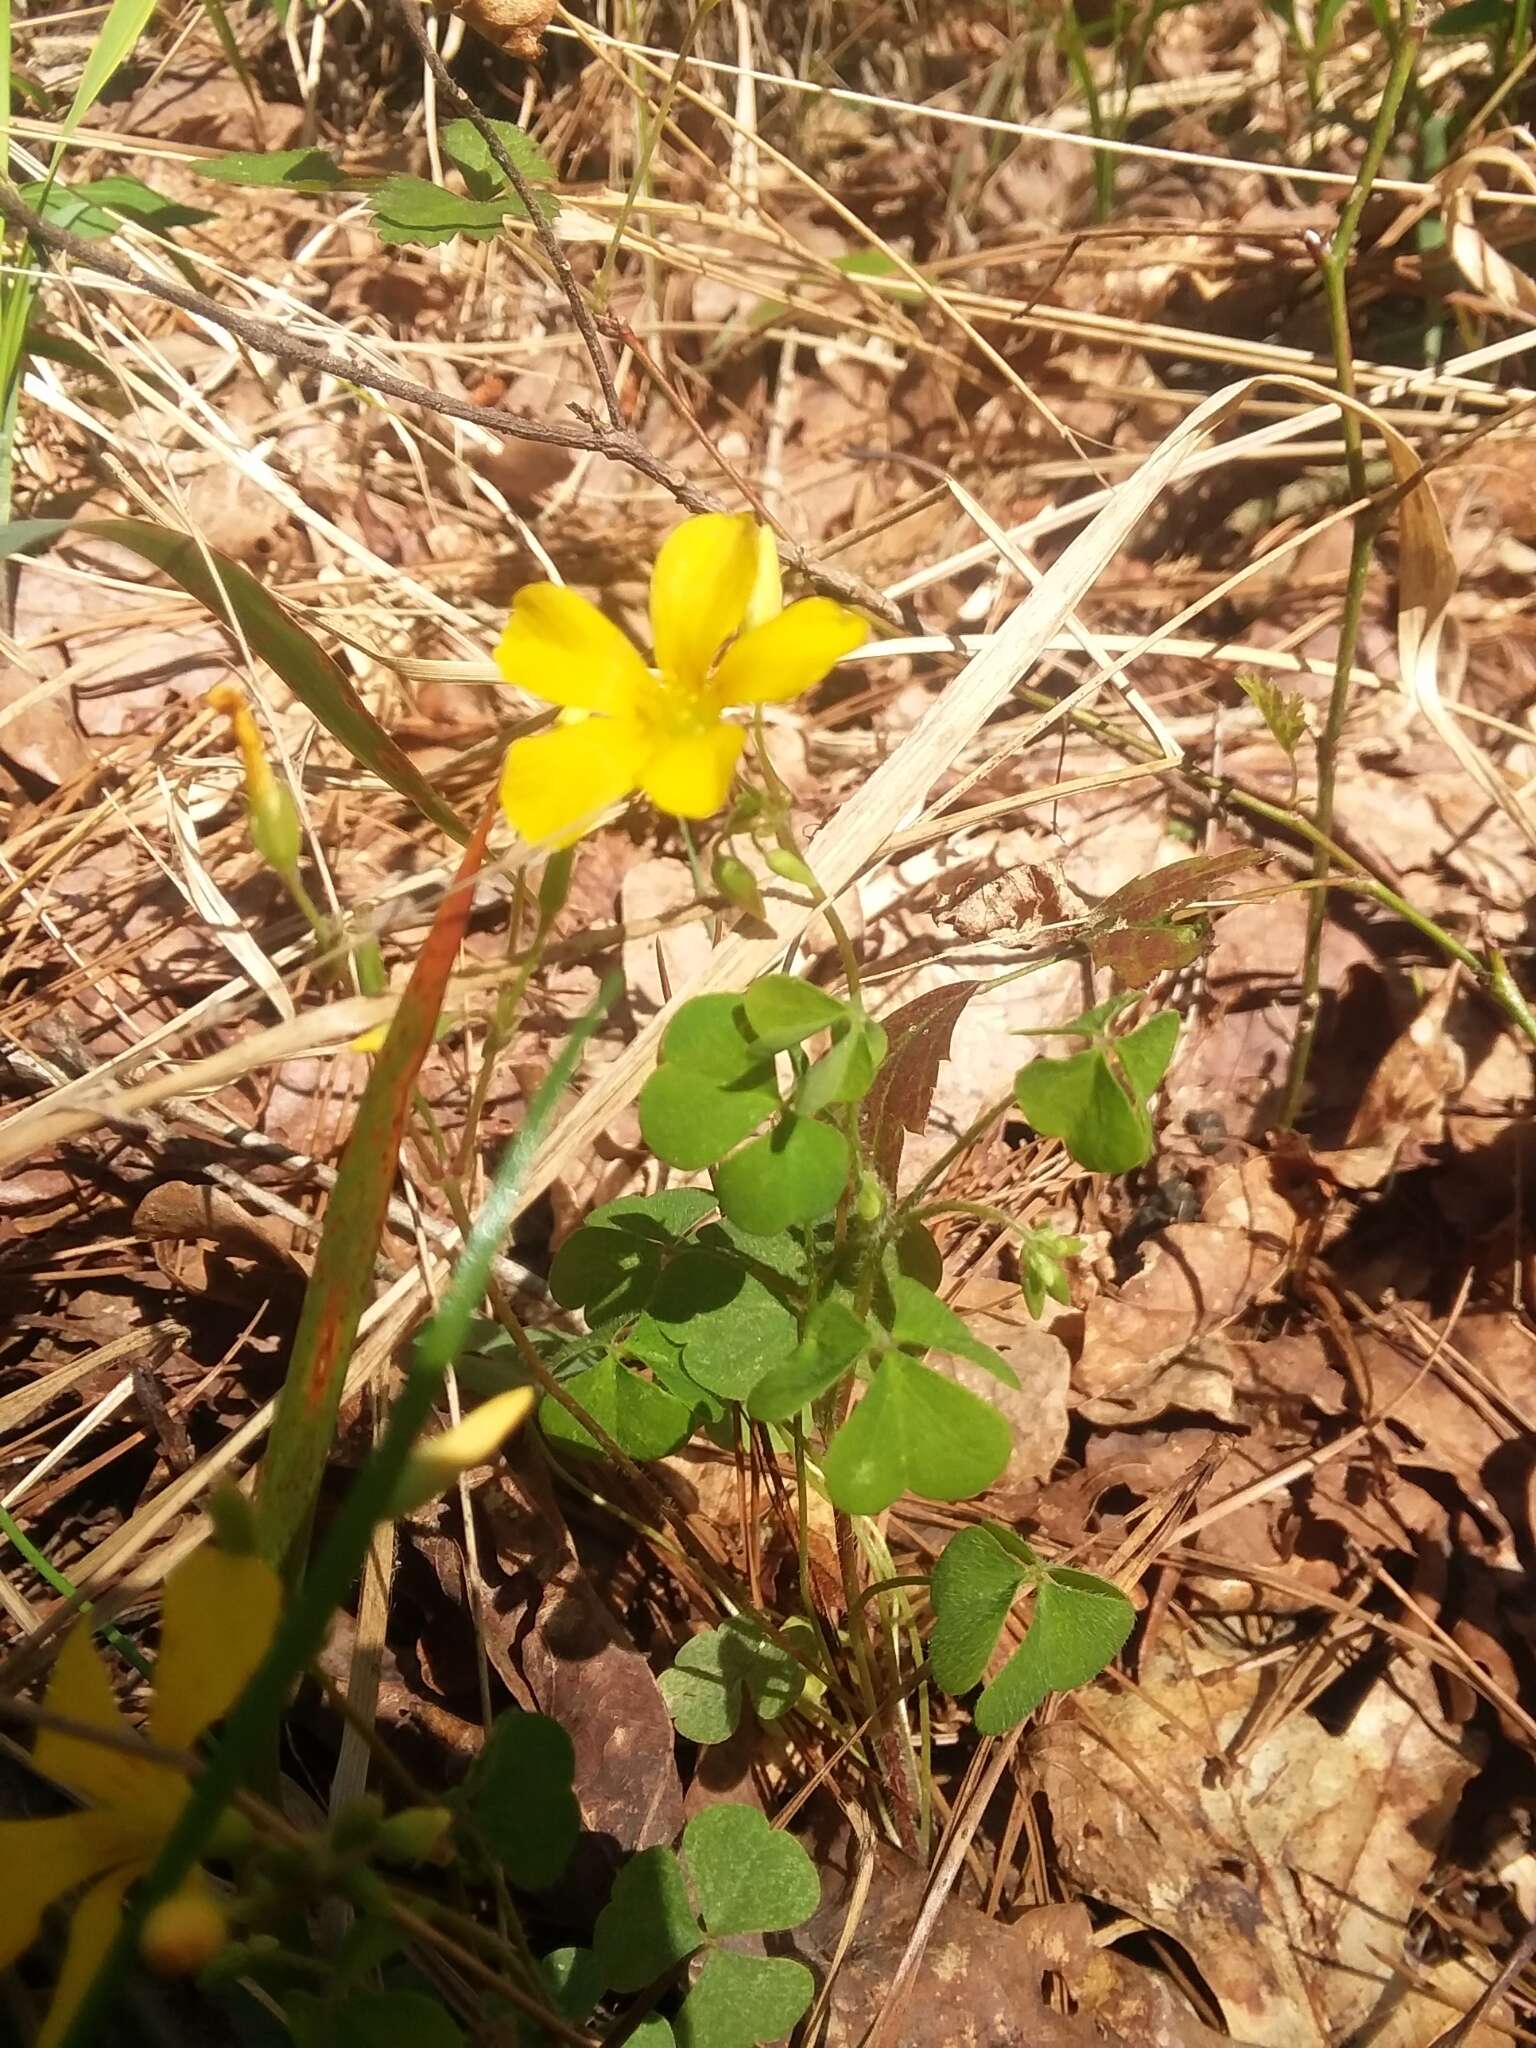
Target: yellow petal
{"type": "Point", "coordinates": [80, 1690]}
{"type": "Point", "coordinates": [767, 599]}
{"type": "Point", "coordinates": [44, 1859]}
{"type": "Point", "coordinates": [556, 785]}
{"type": "Point", "coordinates": [691, 777]}
{"type": "Point", "coordinates": [700, 588]}
{"type": "Point", "coordinates": [91, 1933]}
{"type": "Point", "coordinates": [559, 647]}
{"type": "Point", "coordinates": [437, 1461]}
{"type": "Point", "coordinates": [216, 1624]}
{"type": "Point", "coordinates": [789, 653]}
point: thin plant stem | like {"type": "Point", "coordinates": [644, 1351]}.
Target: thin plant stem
{"type": "Point", "coordinates": [301, 1631]}
{"type": "Point", "coordinates": [1334, 263]}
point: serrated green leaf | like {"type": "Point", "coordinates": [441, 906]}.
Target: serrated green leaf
{"type": "Point", "coordinates": [407, 209]}
{"type": "Point", "coordinates": [748, 1877]}
{"type": "Point", "coordinates": [717, 1671]}
{"type": "Point", "coordinates": [645, 1421]}
{"type": "Point", "coordinates": [731, 1327]}
{"type": "Point", "coordinates": [710, 1036]}
{"type": "Point", "coordinates": [1283, 711]}
{"type": "Point", "coordinates": [975, 1583]}
{"type": "Point", "coordinates": [914, 1432]}
{"type": "Point", "coordinates": [690, 1122]}
{"type": "Point", "coordinates": [469, 153]}
{"type": "Point", "coordinates": [832, 1341]}
{"type": "Point", "coordinates": [520, 1798]}
{"type": "Point", "coordinates": [740, 2001]}
{"type": "Point", "coordinates": [292, 170]}
{"type": "Point", "coordinates": [647, 1925]}
{"type": "Point", "coordinates": [921, 1322]}
{"type": "Point", "coordinates": [783, 1011]}
{"type": "Point", "coordinates": [1079, 1624]}
{"type": "Point", "coordinates": [794, 1173]}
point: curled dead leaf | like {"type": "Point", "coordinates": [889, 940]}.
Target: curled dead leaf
{"type": "Point", "coordinates": [516, 26]}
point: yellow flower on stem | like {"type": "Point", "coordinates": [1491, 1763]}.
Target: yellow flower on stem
{"type": "Point", "coordinates": [217, 1620]}
{"type": "Point", "coordinates": [721, 639]}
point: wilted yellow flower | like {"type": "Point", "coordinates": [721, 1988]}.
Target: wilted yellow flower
{"type": "Point", "coordinates": [663, 729]}
{"type": "Point", "coordinates": [275, 829]}
{"type": "Point", "coordinates": [216, 1622]}
{"type": "Point", "coordinates": [437, 1461]}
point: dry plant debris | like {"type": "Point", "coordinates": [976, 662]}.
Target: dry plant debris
{"type": "Point", "coordinates": [996, 1190]}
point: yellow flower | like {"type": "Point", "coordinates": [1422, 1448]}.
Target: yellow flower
{"type": "Point", "coordinates": [216, 1622]}
{"type": "Point", "coordinates": [659, 730]}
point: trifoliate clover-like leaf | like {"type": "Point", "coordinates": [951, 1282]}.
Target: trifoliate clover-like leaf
{"type": "Point", "coordinates": [748, 1877]}
{"type": "Point", "coordinates": [783, 1011]}
{"type": "Point", "coordinates": [740, 2001]}
{"type": "Point", "coordinates": [920, 1321]}
{"type": "Point", "coordinates": [608, 1268]}
{"type": "Point", "coordinates": [914, 1432]}
{"type": "Point", "coordinates": [730, 1325]}
{"type": "Point", "coordinates": [718, 1671]}
{"type": "Point", "coordinates": [648, 1925]}
{"type": "Point", "coordinates": [520, 1799]}
{"type": "Point", "coordinates": [1079, 1625]}
{"type": "Point", "coordinates": [833, 1340]}
{"type": "Point", "coordinates": [794, 1173]}
{"type": "Point", "coordinates": [644, 1420]}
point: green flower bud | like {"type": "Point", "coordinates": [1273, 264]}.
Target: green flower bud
{"type": "Point", "coordinates": [737, 884]}
{"type": "Point", "coordinates": [415, 1834]}
{"type": "Point", "coordinates": [791, 868]}
{"type": "Point", "coordinates": [555, 884]}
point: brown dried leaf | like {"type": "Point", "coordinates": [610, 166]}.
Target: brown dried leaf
{"type": "Point", "coordinates": [1288, 1869]}
{"type": "Point", "coordinates": [1194, 1278]}
{"type": "Point", "coordinates": [980, 1980]}
{"type": "Point", "coordinates": [516, 26]}
{"type": "Point", "coordinates": [902, 1096]}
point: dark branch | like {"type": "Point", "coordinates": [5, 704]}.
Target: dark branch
{"type": "Point", "coordinates": [267, 337]}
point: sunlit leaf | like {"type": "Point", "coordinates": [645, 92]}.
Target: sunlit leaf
{"type": "Point", "coordinates": [1079, 1625]}
{"type": "Point", "coordinates": [794, 1173]}
{"type": "Point", "coordinates": [748, 1877]}
{"type": "Point", "coordinates": [717, 1673]}
{"type": "Point", "coordinates": [914, 1432]}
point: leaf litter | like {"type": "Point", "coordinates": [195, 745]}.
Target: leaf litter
{"type": "Point", "coordinates": [1289, 1401]}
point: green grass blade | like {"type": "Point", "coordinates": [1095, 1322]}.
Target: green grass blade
{"type": "Point", "coordinates": [248, 1731]}
{"type": "Point", "coordinates": [125, 23]}
{"type": "Point", "coordinates": [273, 634]}
{"type": "Point", "coordinates": [342, 1277]}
